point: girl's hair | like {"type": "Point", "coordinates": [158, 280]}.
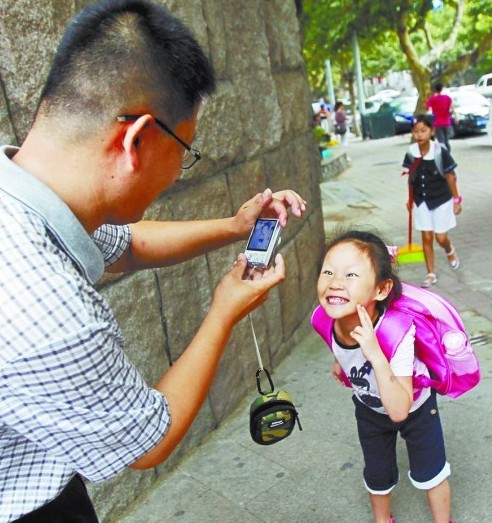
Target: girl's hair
{"type": "Point", "coordinates": [338, 105]}
{"type": "Point", "coordinates": [426, 119]}
{"type": "Point", "coordinates": [377, 251]}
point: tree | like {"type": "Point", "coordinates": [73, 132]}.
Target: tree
{"type": "Point", "coordinates": [434, 45]}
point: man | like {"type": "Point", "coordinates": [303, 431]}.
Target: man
{"type": "Point", "coordinates": [111, 132]}
{"type": "Point", "coordinates": [440, 105]}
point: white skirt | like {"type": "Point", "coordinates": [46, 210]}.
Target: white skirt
{"type": "Point", "coordinates": [439, 220]}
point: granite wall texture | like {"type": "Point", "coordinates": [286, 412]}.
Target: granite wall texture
{"type": "Point", "coordinates": [254, 133]}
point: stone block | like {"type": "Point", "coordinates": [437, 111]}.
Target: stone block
{"type": "Point", "coordinates": [283, 33]}
{"type": "Point", "coordinates": [135, 302]}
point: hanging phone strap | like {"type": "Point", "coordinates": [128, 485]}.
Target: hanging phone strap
{"type": "Point", "coordinates": [260, 362]}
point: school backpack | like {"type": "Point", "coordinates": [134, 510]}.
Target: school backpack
{"type": "Point", "coordinates": [441, 341]}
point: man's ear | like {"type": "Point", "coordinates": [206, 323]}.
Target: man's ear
{"type": "Point", "coordinates": [383, 290]}
{"type": "Point", "coordinates": [132, 140]}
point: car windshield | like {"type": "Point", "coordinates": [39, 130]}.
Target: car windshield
{"type": "Point", "coordinates": [468, 98]}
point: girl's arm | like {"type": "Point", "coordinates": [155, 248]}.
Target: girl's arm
{"type": "Point", "coordinates": [396, 392]}
{"type": "Point", "coordinates": [453, 185]}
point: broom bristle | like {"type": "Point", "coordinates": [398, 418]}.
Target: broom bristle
{"type": "Point", "coordinates": [411, 254]}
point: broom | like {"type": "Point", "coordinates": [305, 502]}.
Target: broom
{"type": "Point", "coordinates": [411, 253]}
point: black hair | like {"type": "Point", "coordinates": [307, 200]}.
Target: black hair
{"type": "Point", "coordinates": [438, 87]}
{"type": "Point", "coordinates": [426, 119]}
{"type": "Point", "coordinates": [120, 55]}
{"type": "Point", "coordinates": [377, 251]}
{"type": "Point", "coordinates": [338, 105]}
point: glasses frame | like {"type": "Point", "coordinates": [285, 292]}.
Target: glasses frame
{"type": "Point", "coordinates": [197, 155]}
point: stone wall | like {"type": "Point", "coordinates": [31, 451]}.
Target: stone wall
{"type": "Point", "coordinates": [254, 133]}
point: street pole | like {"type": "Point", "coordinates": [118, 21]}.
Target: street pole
{"type": "Point", "coordinates": [358, 77]}
{"type": "Point", "coordinates": [329, 84]}
{"type": "Point", "coordinates": [361, 99]}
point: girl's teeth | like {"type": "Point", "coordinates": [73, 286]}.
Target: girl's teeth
{"type": "Point", "coordinates": [337, 301]}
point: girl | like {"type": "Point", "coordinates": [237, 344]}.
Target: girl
{"type": "Point", "coordinates": [341, 123]}
{"type": "Point", "coordinates": [436, 200]}
{"type": "Point", "coordinates": [355, 287]}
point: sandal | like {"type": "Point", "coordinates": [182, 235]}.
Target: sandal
{"type": "Point", "coordinates": [392, 519]}
{"type": "Point", "coordinates": [455, 262]}
{"type": "Point", "coordinates": [429, 280]}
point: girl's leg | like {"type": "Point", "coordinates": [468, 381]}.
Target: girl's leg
{"type": "Point", "coordinates": [444, 241]}
{"type": "Point", "coordinates": [428, 245]}
{"type": "Point", "coordinates": [439, 499]}
{"type": "Point", "coordinates": [428, 241]}
{"type": "Point", "coordinates": [381, 507]}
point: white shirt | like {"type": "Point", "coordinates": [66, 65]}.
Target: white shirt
{"type": "Point", "coordinates": [361, 375]}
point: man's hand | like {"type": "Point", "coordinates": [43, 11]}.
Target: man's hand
{"type": "Point", "coordinates": [243, 289]}
{"type": "Point", "coordinates": [272, 205]}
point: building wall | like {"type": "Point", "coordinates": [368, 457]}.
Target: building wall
{"type": "Point", "coordinates": [254, 133]}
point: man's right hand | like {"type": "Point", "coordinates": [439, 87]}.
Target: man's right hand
{"type": "Point", "coordinates": [243, 288]}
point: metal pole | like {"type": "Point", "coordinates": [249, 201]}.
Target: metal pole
{"type": "Point", "coordinates": [358, 77]}
{"type": "Point", "coordinates": [329, 84]}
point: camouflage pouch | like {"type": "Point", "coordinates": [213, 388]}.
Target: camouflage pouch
{"type": "Point", "coordinates": [272, 415]}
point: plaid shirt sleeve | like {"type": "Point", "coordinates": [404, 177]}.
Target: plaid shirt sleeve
{"type": "Point", "coordinates": [112, 240]}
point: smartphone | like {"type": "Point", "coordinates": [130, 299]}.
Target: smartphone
{"type": "Point", "coordinates": [263, 240]}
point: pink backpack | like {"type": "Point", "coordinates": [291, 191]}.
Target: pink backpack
{"type": "Point", "coordinates": [440, 339]}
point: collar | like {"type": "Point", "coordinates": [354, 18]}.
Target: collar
{"type": "Point", "coordinates": [415, 151]}
{"type": "Point", "coordinates": [54, 212]}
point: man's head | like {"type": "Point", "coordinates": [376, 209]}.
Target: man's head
{"type": "Point", "coordinates": [438, 87]}
{"type": "Point", "coordinates": [124, 56]}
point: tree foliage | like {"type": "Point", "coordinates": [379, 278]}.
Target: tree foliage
{"type": "Point", "coordinates": [396, 35]}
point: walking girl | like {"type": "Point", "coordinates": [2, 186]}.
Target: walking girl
{"type": "Point", "coordinates": [436, 200]}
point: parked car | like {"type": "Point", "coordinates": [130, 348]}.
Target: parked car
{"type": "Point", "coordinates": [484, 85]}
{"type": "Point", "coordinates": [404, 110]}
{"type": "Point", "coordinates": [489, 125]}
{"type": "Point", "coordinates": [470, 112]}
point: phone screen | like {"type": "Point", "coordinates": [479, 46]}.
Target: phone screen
{"type": "Point", "coordinates": [262, 234]}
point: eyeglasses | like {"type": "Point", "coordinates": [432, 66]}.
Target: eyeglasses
{"type": "Point", "coordinates": [191, 156]}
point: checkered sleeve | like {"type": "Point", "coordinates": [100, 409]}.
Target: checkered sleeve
{"type": "Point", "coordinates": [113, 241]}
{"type": "Point", "coordinates": [84, 403]}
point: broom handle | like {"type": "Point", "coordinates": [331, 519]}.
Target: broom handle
{"type": "Point", "coordinates": [411, 170]}
{"type": "Point", "coordinates": [410, 208]}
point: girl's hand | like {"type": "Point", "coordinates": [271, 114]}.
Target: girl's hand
{"type": "Point", "coordinates": [336, 372]}
{"type": "Point", "coordinates": [457, 208]}
{"type": "Point", "coordinates": [365, 336]}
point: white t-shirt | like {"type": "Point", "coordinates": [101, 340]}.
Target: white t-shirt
{"type": "Point", "coordinates": [361, 375]}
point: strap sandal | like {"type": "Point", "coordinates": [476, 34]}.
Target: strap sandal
{"type": "Point", "coordinates": [392, 519]}
{"type": "Point", "coordinates": [430, 279]}
{"type": "Point", "coordinates": [455, 262]}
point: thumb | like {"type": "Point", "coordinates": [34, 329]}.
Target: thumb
{"type": "Point", "coordinates": [239, 266]}
{"type": "Point", "coordinates": [264, 199]}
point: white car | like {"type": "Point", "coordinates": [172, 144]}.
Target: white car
{"type": "Point", "coordinates": [484, 85]}
{"type": "Point", "coordinates": [489, 124]}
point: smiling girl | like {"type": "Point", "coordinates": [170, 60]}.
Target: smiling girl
{"type": "Point", "coordinates": [355, 288]}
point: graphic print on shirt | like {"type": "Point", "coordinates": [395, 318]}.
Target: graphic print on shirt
{"type": "Point", "coordinates": [359, 382]}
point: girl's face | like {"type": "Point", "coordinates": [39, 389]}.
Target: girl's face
{"type": "Point", "coordinates": [347, 278]}
{"type": "Point", "coordinates": [422, 133]}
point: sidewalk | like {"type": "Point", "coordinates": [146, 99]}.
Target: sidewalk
{"type": "Point", "coordinates": [314, 476]}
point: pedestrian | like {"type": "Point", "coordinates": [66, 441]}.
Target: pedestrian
{"type": "Point", "coordinates": [355, 288]}
{"type": "Point", "coordinates": [440, 105]}
{"type": "Point", "coordinates": [434, 189]}
{"type": "Point", "coordinates": [111, 132]}
{"type": "Point", "coordinates": [340, 120]}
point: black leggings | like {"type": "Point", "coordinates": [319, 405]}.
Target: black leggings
{"type": "Point", "coordinates": [72, 505]}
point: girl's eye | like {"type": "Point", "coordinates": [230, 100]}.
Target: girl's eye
{"type": "Point", "coordinates": [327, 272]}
{"type": "Point", "coordinates": [351, 275]}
